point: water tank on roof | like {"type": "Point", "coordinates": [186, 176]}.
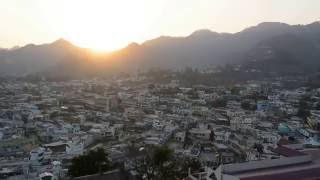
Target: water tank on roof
{"type": "Point", "coordinates": [283, 128]}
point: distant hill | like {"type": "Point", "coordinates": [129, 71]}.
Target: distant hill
{"type": "Point", "coordinates": [36, 58]}
{"type": "Point", "coordinates": [295, 44]}
{"type": "Point", "coordinates": [269, 46]}
{"type": "Point", "coordinates": [297, 51]}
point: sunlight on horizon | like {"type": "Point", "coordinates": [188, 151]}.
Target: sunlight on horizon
{"type": "Point", "coordinates": [105, 25]}
{"type": "Point", "coordinates": [108, 25]}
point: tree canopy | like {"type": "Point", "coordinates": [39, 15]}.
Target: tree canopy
{"type": "Point", "coordinates": [96, 161]}
{"type": "Point", "coordinates": [162, 164]}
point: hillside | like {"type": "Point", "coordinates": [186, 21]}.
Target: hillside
{"type": "Point", "coordinates": [270, 46]}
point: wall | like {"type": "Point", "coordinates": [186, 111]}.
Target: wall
{"type": "Point", "coordinates": [269, 163]}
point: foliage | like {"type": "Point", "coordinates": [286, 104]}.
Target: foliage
{"type": "Point", "coordinates": [184, 164]}
{"type": "Point", "coordinates": [303, 110]}
{"type": "Point", "coordinates": [162, 164]}
{"type": "Point", "coordinates": [212, 136]}
{"type": "Point", "coordinates": [221, 102]}
{"type": "Point", "coordinates": [247, 106]}
{"type": "Point", "coordinates": [303, 113]}
{"type": "Point", "coordinates": [235, 91]}
{"type": "Point", "coordinates": [318, 106]}
{"type": "Point", "coordinates": [94, 162]}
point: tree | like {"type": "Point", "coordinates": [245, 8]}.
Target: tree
{"type": "Point", "coordinates": [318, 106]}
{"type": "Point", "coordinates": [235, 91]}
{"type": "Point", "coordinates": [212, 136]}
{"type": "Point", "coordinates": [162, 155]}
{"type": "Point", "coordinates": [259, 148]}
{"type": "Point", "coordinates": [187, 140]}
{"type": "Point", "coordinates": [184, 164]}
{"type": "Point", "coordinates": [303, 113]}
{"type": "Point", "coordinates": [92, 163]}
{"type": "Point", "coordinates": [247, 106]}
{"type": "Point", "coordinates": [162, 164]}
{"type": "Point", "coordinates": [221, 102]}
{"type": "Point", "coordinates": [156, 165]}
{"type": "Point", "coordinates": [303, 110]}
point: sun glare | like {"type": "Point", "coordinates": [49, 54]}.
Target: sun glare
{"type": "Point", "coordinates": [104, 25]}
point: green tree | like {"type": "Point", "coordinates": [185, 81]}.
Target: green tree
{"type": "Point", "coordinates": [303, 110]}
{"type": "Point", "coordinates": [303, 113]}
{"type": "Point", "coordinates": [247, 106]}
{"type": "Point", "coordinates": [235, 91]}
{"type": "Point", "coordinates": [92, 163]}
{"type": "Point", "coordinates": [318, 106]}
{"type": "Point", "coordinates": [156, 165]}
{"type": "Point", "coordinates": [212, 136]}
{"type": "Point", "coordinates": [162, 164]}
{"type": "Point", "coordinates": [183, 166]}
{"type": "Point", "coordinates": [218, 103]}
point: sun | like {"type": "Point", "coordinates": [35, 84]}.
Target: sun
{"type": "Point", "coordinates": [104, 25]}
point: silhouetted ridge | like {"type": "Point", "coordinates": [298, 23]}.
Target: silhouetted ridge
{"type": "Point", "coordinates": [203, 33]}
{"type": "Point", "coordinates": [201, 49]}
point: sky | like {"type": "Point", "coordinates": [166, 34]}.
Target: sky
{"type": "Point", "coordinates": [112, 24]}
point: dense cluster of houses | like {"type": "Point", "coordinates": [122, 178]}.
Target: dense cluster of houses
{"type": "Point", "coordinates": [44, 125]}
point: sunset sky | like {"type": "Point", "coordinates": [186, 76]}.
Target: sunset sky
{"type": "Point", "coordinates": [112, 24]}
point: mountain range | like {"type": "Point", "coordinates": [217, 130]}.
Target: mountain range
{"type": "Point", "coordinates": [269, 46]}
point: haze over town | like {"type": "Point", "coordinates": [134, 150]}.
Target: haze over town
{"type": "Point", "coordinates": [160, 90]}
{"type": "Point", "coordinates": [110, 25]}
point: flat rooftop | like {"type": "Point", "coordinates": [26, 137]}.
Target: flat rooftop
{"type": "Point", "coordinates": [301, 171]}
{"type": "Point", "coordinates": [303, 174]}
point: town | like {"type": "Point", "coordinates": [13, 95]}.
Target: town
{"type": "Point", "coordinates": [236, 132]}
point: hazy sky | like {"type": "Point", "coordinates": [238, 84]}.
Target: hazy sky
{"type": "Point", "coordinates": [111, 24]}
